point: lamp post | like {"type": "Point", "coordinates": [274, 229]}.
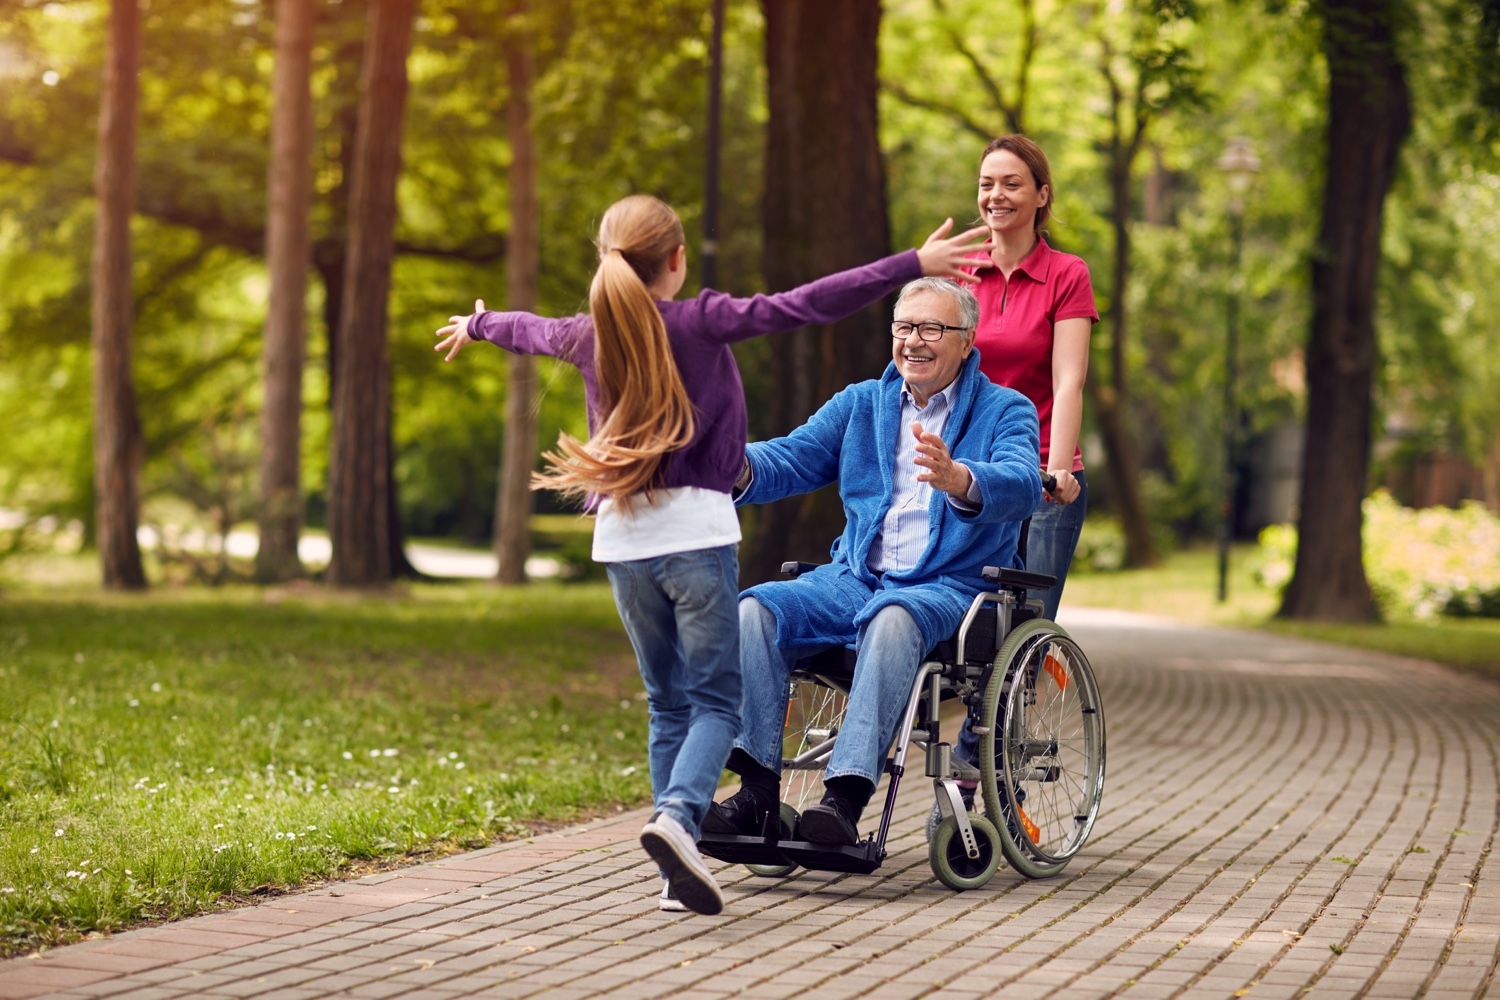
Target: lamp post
{"type": "Point", "coordinates": [1240, 165]}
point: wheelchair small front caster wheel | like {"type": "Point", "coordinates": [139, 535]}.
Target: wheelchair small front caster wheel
{"type": "Point", "coordinates": [952, 864]}
{"type": "Point", "coordinates": [789, 820]}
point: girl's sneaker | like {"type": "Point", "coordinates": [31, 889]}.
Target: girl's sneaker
{"type": "Point", "coordinates": [670, 903]}
{"type": "Point", "coordinates": [674, 851]}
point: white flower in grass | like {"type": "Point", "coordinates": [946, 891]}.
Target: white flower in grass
{"type": "Point", "coordinates": [135, 703]}
{"type": "Point", "coordinates": [72, 873]}
{"type": "Point", "coordinates": [628, 771]}
{"type": "Point", "coordinates": [156, 687]}
{"type": "Point", "coordinates": [459, 766]}
{"type": "Point", "coordinates": [8, 889]}
{"type": "Point", "coordinates": [312, 829]}
{"type": "Point", "coordinates": [624, 702]}
{"type": "Point", "coordinates": [97, 871]}
{"type": "Point", "coordinates": [34, 850]}
{"type": "Point", "coordinates": [389, 752]}
{"type": "Point", "coordinates": [55, 723]}
{"type": "Point", "coordinates": [453, 755]}
{"type": "Point", "coordinates": [347, 755]}
{"type": "Point", "coordinates": [374, 753]}
{"type": "Point", "coordinates": [218, 826]}
{"type": "Point", "coordinates": [128, 872]}
{"type": "Point", "coordinates": [280, 836]}
{"type": "Point", "coordinates": [468, 789]}
{"type": "Point", "coordinates": [442, 762]}
{"type": "Point", "coordinates": [58, 832]}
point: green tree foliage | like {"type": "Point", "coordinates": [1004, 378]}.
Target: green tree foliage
{"type": "Point", "coordinates": [619, 107]}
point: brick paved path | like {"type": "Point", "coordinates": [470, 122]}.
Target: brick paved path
{"type": "Point", "coordinates": [1278, 817]}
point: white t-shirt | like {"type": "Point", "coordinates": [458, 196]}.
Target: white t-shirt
{"type": "Point", "coordinates": [679, 520]}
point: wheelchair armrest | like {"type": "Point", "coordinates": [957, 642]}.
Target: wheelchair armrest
{"type": "Point", "coordinates": [1018, 578]}
{"type": "Point", "coordinates": [796, 569]}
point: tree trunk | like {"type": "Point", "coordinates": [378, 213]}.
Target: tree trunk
{"type": "Point", "coordinates": [118, 447]}
{"type": "Point", "coordinates": [1369, 114]}
{"type": "Point", "coordinates": [288, 253]}
{"type": "Point", "coordinates": [1122, 471]}
{"type": "Point", "coordinates": [361, 503]}
{"type": "Point", "coordinates": [825, 210]}
{"type": "Point", "coordinates": [518, 453]}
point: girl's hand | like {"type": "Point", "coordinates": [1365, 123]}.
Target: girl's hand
{"type": "Point", "coordinates": [944, 256]}
{"type": "Point", "coordinates": [1067, 488]}
{"type": "Point", "coordinates": [942, 472]}
{"type": "Point", "coordinates": [456, 334]}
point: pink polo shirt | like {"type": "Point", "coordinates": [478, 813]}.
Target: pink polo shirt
{"type": "Point", "coordinates": [1016, 320]}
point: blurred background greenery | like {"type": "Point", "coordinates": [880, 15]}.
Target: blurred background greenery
{"type": "Point", "coordinates": [619, 105]}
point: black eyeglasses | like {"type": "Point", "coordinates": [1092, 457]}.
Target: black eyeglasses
{"type": "Point", "coordinates": [929, 332]}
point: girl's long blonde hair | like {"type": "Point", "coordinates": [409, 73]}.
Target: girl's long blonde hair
{"type": "Point", "coordinates": [645, 408]}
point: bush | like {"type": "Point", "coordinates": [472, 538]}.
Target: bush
{"type": "Point", "coordinates": [1419, 562]}
{"type": "Point", "coordinates": [1101, 545]}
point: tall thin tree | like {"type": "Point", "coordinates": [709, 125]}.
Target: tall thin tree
{"type": "Point", "coordinates": [825, 209]}
{"type": "Point", "coordinates": [360, 508]}
{"type": "Point", "coordinates": [1369, 115]}
{"type": "Point", "coordinates": [288, 256]}
{"type": "Point", "coordinates": [513, 502]}
{"type": "Point", "coordinates": [118, 445]}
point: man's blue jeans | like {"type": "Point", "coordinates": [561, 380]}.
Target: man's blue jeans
{"type": "Point", "coordinates": [889, 651]}
{"type": "Point", "coordinates": [679, 611]}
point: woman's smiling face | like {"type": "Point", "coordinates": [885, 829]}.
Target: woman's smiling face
{"type": "Point", "coordinates": [1008, 193]}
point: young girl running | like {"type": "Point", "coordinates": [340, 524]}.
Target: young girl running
{"type": "Point", "coordinates": [667, 425]}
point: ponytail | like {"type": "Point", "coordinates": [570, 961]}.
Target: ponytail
{"type": "Point", "coordinates": [645, 406]}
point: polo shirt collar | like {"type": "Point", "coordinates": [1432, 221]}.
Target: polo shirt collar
{"type": "Point", "coordinates": [1038, 263]}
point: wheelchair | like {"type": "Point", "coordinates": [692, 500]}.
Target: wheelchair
{"type": "Point", "coordinates": [1031, 698]}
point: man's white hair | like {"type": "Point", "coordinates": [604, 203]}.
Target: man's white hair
{"type": "Point", "coordinates": [968, 305]}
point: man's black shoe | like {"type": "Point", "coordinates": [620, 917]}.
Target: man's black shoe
{"type": "Point", "coordinates": [742, 814]}
{"type": "Point", "coordinates": [835, 820]}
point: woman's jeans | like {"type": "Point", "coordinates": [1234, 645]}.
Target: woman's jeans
{"type": "Point", "coordinates": [680, 613]}
{"type": "Point", "coordinates": [1052, 540]}
{"type": "Point", "coordinates": [1050, 543]}
{"type": "Point", "coordinates": [889, 651]}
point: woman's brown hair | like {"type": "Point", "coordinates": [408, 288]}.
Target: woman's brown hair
{"type": "Point", "coordinates": [644, 407]}
{"type": "Point", "coordinates": [1030, 154]}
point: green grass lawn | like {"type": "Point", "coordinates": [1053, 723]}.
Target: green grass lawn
{"type": "Point", "coordinates": [1185, 586]}
{"type": "Point", "coordinates": [161, 754]}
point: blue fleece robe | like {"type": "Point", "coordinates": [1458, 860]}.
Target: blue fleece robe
{"type": "Point", "coordinates": [851, 440]}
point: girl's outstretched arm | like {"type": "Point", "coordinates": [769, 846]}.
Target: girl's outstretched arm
{"type": "Point", "coordinates": [517, 332]}
{"type": "Point", "coordinates": [830, 299]}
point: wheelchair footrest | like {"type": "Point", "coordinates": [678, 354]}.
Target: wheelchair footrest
{"type": "Point", "coordinates": [863, 858]}
{"type": "Point", "coordinates": [738, 849]}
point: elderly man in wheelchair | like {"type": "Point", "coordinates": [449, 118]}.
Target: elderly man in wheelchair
{"type": "Point", "coordinates": [937, 469]}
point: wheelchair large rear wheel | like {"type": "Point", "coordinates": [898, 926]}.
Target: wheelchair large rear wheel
{"type": "Point", "coordinates": [1042, 761]}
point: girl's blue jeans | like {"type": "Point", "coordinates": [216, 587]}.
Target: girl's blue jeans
{"type": "Point", "coordinates": [681, 614]}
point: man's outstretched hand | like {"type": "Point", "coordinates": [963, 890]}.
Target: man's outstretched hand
{"type": "Point", "coordinates": [942, 472]}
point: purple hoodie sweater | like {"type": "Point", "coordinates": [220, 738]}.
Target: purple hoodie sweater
{"type": "Point", "coordinates": [700, 331]}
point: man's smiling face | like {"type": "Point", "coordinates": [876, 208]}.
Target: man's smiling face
{"type": "Point", "coordinates": [930, 366]}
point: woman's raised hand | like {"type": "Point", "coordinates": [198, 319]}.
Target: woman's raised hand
{"type": "Point", "coordinates": [456, 334]}
{"type": "Point", "coordinates": [945, 256]}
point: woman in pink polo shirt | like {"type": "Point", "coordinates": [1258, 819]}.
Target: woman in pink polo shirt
{"type": "Point", "coordinates": [1036, 307]}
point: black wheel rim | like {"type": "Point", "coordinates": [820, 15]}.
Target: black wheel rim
{"type": "Point", "coordinates": [959, 861]}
